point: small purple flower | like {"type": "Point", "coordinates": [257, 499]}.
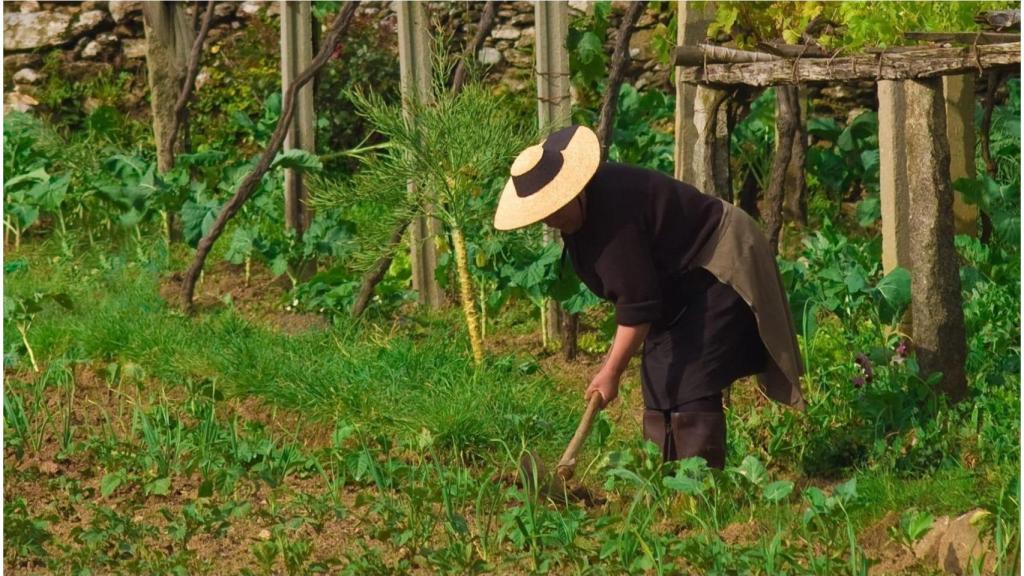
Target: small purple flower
{"type": "Point", "coordinates": [902, 349]}
{"type": "Point", "coordinates": [858, 381]}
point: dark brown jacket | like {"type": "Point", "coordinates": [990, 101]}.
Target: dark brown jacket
{"type": "Point", "coordinates": [646, 234]}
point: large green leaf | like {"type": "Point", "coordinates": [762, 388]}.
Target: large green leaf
{"type": "Point", "coordinates": [37, 175]}
{"type": "Point", "coordinates": [25, 214]}
{"type": "Point", "coordinates": [240, 247]}
{"type": "Point", "coordinates": [847, 491]}
{"type": "Point", "coordinates": [50, 195]}
{"type": "Point", "coordinates": [159, 487]}
{"type": "Point", "coordinates": [778, 490]}
{"type": "Point", "coordinates": [753, 470]}
{"type": "Point", "coordinates": [869, 210]}
{"type": "Point", "coordinates": [683, 484]}
{"type": "Point", "coordinates": [197, 218]}
{"type": "Point", "coordinates": [895, 288]}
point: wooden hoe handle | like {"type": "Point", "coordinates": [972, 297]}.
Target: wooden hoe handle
{"type": "Point", "coordinates": [567, 464]}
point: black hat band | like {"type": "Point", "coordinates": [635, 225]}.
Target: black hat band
{"type": "Point", "coordinates": [551, 161]}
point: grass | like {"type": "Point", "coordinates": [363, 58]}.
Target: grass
{"type": "Point", "coordinates": [384, 379]}
{"type": "Point", "coordinates": [155, 442]}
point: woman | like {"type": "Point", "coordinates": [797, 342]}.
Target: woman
{"type": "Point", "coordinates": [691, 277]}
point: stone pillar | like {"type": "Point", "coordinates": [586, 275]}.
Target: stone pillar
{"type": "Point", "coordinates": [892, 147]}
{"type": "Point", "coordinates": [958, 91]}
{"type": "Point", "coordinates": [703, 159]}
{"type": "Point", "coordinates": [296, 56]}
{"type": "Point", "coordinates": [696, 160]}
{"type": "Point", "coordinates": [554, 108]}
{"type": "Point", "coordinates": [414, 53]}
{"type": "Point", "coordinates": [937, 306]}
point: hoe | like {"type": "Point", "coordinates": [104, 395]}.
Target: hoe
{"type": "Point", "coordinates": [534, 475]}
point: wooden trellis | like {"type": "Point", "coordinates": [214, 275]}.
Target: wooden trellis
{"type": "Point", "coordinates": [926, 141]}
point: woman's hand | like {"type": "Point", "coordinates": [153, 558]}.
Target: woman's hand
{"type": "Point", "coordinates": [605, 383]}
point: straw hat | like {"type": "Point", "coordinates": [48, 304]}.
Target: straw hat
{"type": "Point", "coordinates": [547, 176]}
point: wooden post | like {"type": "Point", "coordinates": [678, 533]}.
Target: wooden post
{"type": "Point", "coordinates": [169, 38]}
{"type": "Point", "coordinates": [700, 143]}
{"type": "Point", "coordinates": [553, 105]}
{"type": "Point", "coordinates": [296, 55]}
{"type": "Point", "coordinates": [894, 196]}
{"type": "Point", "coordinates": [937, 306]}
{"type": "Point", "coordinates": [958, 91]}
{"type": "Point", "coordinates": [414, 53]}
{"type": "Point", "coordinates": [554, 108]}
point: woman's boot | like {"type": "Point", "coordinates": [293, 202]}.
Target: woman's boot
{"type": "Point", "coordinates": [699, 434]}
{"type": "Point", "coordinates": [657, 429]}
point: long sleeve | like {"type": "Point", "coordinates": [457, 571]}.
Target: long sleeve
{"type": "Point", "coordinates": [626, 269]}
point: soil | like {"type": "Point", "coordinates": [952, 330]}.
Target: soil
{"type": "Point", "coordinates": [891, 557]}
{"type": "Point", "coordinates": [101, 407]}
{"type": "Point", "coordinates": [262, 298]}
{"type": "Point", "coordinates": [100, 410]}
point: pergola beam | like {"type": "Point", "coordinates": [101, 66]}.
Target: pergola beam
{"type": "Point", "coordinates": [970, 38]}
{"type": "Point", "coordinates": [927, 62]}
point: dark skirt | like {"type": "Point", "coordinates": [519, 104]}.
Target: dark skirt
{"type": "Point", "coordinates": [709, 340]}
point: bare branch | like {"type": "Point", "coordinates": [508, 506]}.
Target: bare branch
{"type": "Point", "coordinates": [483, 29]}
{"type": "Point", "coordinates": [620, 59]}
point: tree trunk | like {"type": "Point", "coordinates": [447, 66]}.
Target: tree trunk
{"type": "Point", "coordinates": [466, 295]}
{"type": "Point", "coordinates": [795, 203]}
{"type": "Point", "coordinates": [570, 330]}
{"type": "Point", "coordinates": [786, 122]}
{"type": "Point", "coordinates": [994, 78]}
{"type": "Point", "coordinates": [482, 30]}
{"type": "Point", "coordinates": [554, 111]}
{"type": "Point", "coordinates": [693, 19]}
{"type": "Point", "coordinates": [748, 195]}
{"type": "Point", "coordinates": [415, 50]}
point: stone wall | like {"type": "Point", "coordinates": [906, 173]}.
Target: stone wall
{"type": "Point", "coordinates": [94, 34]}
